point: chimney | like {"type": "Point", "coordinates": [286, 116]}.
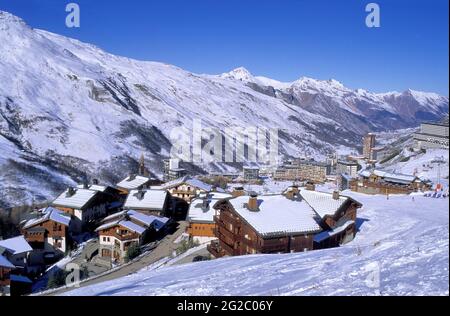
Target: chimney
{"type": "Point", "coordinates": [335, 195]}
{"type": "Point", "coordinates": [70, 192]}
{"type": "Point", "coordinates": [95, 182]}
{"type": "Point", "coordinates": [132, 177]}
{"type": "Point", "coordinates": [310, 186]}
{"type": "Point", "coordinates": [238, 191]}
{"type": "Point", "coordinates": [253, 202]}
{"type": "Point", "coordinates": [86, 185]}
{"type": "Point", "coordinates": [140, 194]}
{"type": "Point", "coordinates": [205, 203]}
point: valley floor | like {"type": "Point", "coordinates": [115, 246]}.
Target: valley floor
{"type": "Point", "coordinates": [401, 249]}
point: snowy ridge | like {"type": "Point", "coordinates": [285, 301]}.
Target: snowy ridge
{"type": "Point", "coordinates": [73, 111]}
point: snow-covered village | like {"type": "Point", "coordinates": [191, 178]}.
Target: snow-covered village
{"type": "Point", "coordinates": [121, 177]}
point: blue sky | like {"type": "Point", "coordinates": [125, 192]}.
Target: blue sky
{"type": "Point", "coordinates": [281, 39]}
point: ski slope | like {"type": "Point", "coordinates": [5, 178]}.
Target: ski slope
{"type": "Point", "coordinates": [401, 249]}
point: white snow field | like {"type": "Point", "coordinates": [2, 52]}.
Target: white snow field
{"type": "Point", "coordinates": [401, 249]}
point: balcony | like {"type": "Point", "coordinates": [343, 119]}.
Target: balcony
{"type": "Point", "coordinates": [225, 232]}
{"type": "Point", "coordinates": [186, 192]}
{"type": "Point", "coordinates": [227, 248]}
{"type": "Point", "coordinates": [248, 242]}
{"type": "Point", "coordinates": [215, 250]}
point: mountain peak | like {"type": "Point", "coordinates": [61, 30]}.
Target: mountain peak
{"type": "Point", "coordinates": [6, 17]}
{"type": "Point", "coordinates": [9, 21]}
{"type": "Point", "coordinates": [239, 73]}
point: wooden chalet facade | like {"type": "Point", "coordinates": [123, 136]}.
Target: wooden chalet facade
{"type": "Point", "coordinates": [86, 207]}
{"type": "Point", "coordinates": [17, 251]}
{"type": "Point", "coordinates": [201, 216]}
{"type": "Point", "coordinates": [120, 231]}
{"type": "Point", "coordinates": [48, 234]}
{"type": "Point", "coordinates": [186, 188]}
{"type": "Point", "coordinates": [381, 182]}
{"type": "Point", "coordinates": [14, 263]}
{"type": "Point", "coordinates": [282, 223]}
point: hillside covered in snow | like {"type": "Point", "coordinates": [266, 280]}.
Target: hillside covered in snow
{"type": "Point", "coordinates": [402, 248]}
{"type": "Point", "coordinates": [70, 111]}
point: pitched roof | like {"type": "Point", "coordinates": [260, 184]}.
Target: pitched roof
{"type": "Point", "coordinates": [49, 213]}
{"type": "Point", "coordinates": [16, 245]}
{"type": "Point", "coordinates": [151, 199]}
{"type": "Point", "coordinates": [144, 221]}
{"type": "Point", "coordinates": [5, 263]}
{"type": "Point", "coordinates": [94, 187]}
{"type": "Point", "coordinates": [197, 213]}
{"type": "Point", "coordinates": [133, 182]}
{"type": "Point", "coordinates": [329, 233]}
{"type": "Point", "coordinates": [187, 180]}
{"type": "Point", "coordinates": [322, 203]}
{"type": "Point", "coordinates": [78, 200]}
{"type": "Point", "coordinates": [20, 278]}
{"type": "Point", "coordinates": [394, 176]}
{"type": "Point", "coordinates": [277, 215]}
{"type": "Point", "coordinates": [389, 176]}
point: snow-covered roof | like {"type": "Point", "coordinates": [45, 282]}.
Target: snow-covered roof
{"type": "Point", "coordinates": [133, 182]}
{"type": "Point", "coordinates": [329, 233]}
{"type": "Point", "coordinates": [159, 223]}
{"type": "Point", "coordinates": [5, 263]}
{"type": "Point", "coordinates": [346, 176]}
{"type": "Point", "coordinates": [133, 227]}
{"type": "Point", "coordinates": [277, 215]}
{"type": "Point", "coordinates": [151, 199]}
{"type": "Point", "coordinates": [124, 223]}
{"type": "Point", "coordinates": [190, 181]}
{"type": "Point", "coordinates": [49, 213]}
{"type": "Point", "coordinates": [394, 176]}
{"type": "Point", "coordinates": [196, 211]}
{"type": "Point", "coordinates": [78, 200]}
{"type": "Point", "coordinates": [19, 278]}
{"type": "Point", "coordinates": [322, 203]}
{"type": "Point", "coordinates": [365, 173]}
{"type": "Point", "coordinates": [144, 221]}
{"type": "Point", "coordinates": [250, 168]}
{"type": "Point", "coordinates": [94, 187]}
{"type": "Point", "coordinates": [389, 176]}
{"type": "Point", "coordinates": [16, 245]}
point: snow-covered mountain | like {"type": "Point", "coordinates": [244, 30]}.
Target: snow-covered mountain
{"type": "Point", "coordinates": [69, 110]}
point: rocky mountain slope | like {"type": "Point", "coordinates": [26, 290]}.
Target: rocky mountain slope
{"type": "Point", "coordinates": [70, 111]}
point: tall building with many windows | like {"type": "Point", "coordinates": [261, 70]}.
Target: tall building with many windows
{"type": "Point", "coordinates": [368, 146]}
